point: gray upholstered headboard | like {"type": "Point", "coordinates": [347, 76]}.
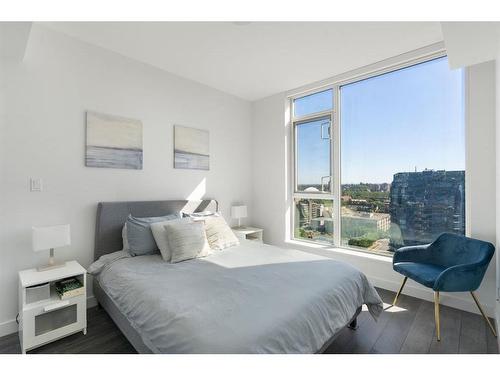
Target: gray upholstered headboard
{"type": "Point", "coordinates": [112, 215]}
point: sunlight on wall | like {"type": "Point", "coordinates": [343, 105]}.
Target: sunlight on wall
{"type": "Point", "coordinates": [196, 196]}
{"type": "Point", "coordinates": [199, 191]}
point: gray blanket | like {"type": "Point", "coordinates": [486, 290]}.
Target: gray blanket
{"type": "Point", "coordinates": [251, 298]}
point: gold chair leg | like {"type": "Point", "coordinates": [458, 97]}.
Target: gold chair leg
{"type": "Point", "coordinates": [436, 315]}
{"type": "Point", "coordinates": [483, 314]}
{"type": "Point", "coordinates": [399, 291]}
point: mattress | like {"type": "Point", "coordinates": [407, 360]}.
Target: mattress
{"type": "Point", "coordinates": [251, 298]}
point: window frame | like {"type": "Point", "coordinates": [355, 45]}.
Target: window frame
{"type": "Point", "coordinates": [326, 115]}
{"type": "Point", "coordinates": [297, 121]}
{"type": "Point", "coordinates": [335, 146]}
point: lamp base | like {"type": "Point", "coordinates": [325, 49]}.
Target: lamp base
{"type": "Point", "coordinates": [52, 263]}
{"type": "Point", "coordinates": [48, 267]}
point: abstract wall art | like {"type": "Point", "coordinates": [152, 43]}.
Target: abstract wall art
{"type": "Point", "coordinates": [191, 148]}
{"type": "Point", "coordinates": [113, 142]}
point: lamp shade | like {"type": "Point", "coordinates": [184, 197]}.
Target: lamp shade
{"type": "Point", "coordinates": [45, 238]}
{"type": "Point", "coordinates": [238, 212]}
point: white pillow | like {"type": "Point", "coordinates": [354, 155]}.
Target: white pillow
{"type": "Point", "coordinates": [160, 236]}
{"type": "Point", "coordinates": [186, 240]}
{"type": "Point", "coordinates": [219, 235]}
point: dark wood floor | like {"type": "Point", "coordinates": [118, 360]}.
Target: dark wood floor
{"type": "Point", "coordinates": [407, 328]}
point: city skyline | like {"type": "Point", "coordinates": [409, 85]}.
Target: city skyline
{"type": "Point", "coordinates": [387, 182]}
{"type": "Point", "coordinates": [413, 210]}
{"type": "Point", "coordinates": [421, 113]}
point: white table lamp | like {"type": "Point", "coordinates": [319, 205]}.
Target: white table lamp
{"type": "Point", "coordinates": [239, 212]}
{"type": "Point", "coordinates": [50, 237]}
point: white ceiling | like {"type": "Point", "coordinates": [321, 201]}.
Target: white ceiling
{"type": "Point", "coordinates": [469, 43]}
{"type": "Point", "coordinates": [14, 39]}
{"type": "Point", "coordinates": [257, 59]}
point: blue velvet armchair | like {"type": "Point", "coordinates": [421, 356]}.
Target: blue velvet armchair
{"type": "Point", "coordinates": [452, 263]}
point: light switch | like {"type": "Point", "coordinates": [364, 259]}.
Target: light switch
{"type": "Point", "coordinates": [35, 184]}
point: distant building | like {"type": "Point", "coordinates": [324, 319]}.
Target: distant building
{"type": "Point", "coordinates": [385, 187]}
{"type": "Point", "coordinates": [322, 224]}
{"type": "Point", "coordinates": [369, 221]}
{"type": "Point", "coordinates": [425, 204]}
{"type": "Point", "coordinates": [365, 186]}
{"type": "Point", "coordinates": [309, 210]}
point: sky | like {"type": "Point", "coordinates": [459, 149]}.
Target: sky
{"type": "Point", "coordinates": [396, 122]}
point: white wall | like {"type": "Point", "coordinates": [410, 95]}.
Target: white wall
{"type": "Point", "coordinates": [43, 104]}
{"type": "Point", "coordinates": [271, 199]}
{"type": "Point", "coordinates": [497, 65]}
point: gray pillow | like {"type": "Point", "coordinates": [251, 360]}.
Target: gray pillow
{"type": "Point", "coordinates": [139, 235]}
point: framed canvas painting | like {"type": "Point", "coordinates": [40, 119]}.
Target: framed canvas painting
{"type": "Point", "coordinates": [113, 142]}
{"type": "Point", "coordinates": [191, 148]}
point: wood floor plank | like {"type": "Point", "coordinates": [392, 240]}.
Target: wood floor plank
{"type": "Point", "coordinates": [10, 344]}
{"type": "Point", "coordinates": [396, 330]}
{"type": "Point", "coordinates": [386, 295]}
{"type": "Point", "coordinates": [472, 334]}
{"type": "Point", "coordinates": [364, 338]}
{"type": "Point", "coordinates": [450, 332]}
{"type": "Point", "coordinates": [343, 343]}
{"type": "Point", "coordinates": [419, 338]}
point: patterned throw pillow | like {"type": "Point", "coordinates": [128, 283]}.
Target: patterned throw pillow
{"type": "Point", "coordinates": [219, 234]}
{"type": "Point", "coordinates": [160, 236]}
{"type": "Point", "coordinates": [187, 240]}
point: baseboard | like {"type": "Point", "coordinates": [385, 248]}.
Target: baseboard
{"type": "Point", "coordinates": [91, 302]}
{"type": "Point", "coordinates": [10, 326]}
{"type": "Point", "coordinates": [447, 299]}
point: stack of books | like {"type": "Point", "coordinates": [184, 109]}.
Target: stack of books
{"type": "Point", "coordinates": [69, 288]}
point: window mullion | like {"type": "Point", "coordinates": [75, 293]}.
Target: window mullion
{"type": "Point", "coordinates": [336, 187]}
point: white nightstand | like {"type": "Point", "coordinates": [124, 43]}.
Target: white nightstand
{"type": "Point", "coordinates": [43, 315]}
{"type": "Point", "coordinates": [248, 233]}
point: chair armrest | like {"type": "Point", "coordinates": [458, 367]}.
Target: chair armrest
{"type": "Point", "coordinates": [461, 278]}
{"type": "Point", "coordinates": [411, 254]}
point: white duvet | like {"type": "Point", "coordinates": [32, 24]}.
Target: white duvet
{"type": "Point", "coordinates": [252, 298]}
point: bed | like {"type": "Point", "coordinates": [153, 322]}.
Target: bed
{"type": "Point", "coordinates": [251, 298]}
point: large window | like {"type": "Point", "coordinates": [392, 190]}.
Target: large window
{"type": "Point", "coordinates": [401, 172]}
